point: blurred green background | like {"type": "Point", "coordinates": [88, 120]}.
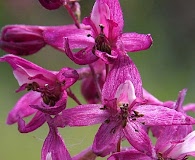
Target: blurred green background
{"type": "Point", "coordinates": [166, 68]}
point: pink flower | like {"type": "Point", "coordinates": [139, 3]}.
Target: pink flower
{"type": "Point", "coordinates": [47, 91]}
{"type": "Point", "coordinates": [106, 35]}
{"type": "Point", "coordinates": [122, 112]}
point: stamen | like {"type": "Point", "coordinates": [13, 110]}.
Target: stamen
{"type": "Point", "coordinates": [101, 27]}
{"type": "Point", "coordinates": [101, 42]}
{"type": "Point", "coordinates": [107, 121]}
{"type": "Point", "coordinates": [89, 35]}
{"type": "Point", "coordinates": [49, 93]}
{"type": "Point", "coordinates": [103, 108]}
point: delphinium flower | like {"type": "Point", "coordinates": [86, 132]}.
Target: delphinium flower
{"type": "Point", "coordinates": [122, 113]}
{"type": "Point", "coordinates": [173, 142]}
{"type": "Point", "coordinates": [106, 37]}
{"type": "Point", "coordinates": [111, 85]}
{"type": "Point", "coordinates": [47, 97]}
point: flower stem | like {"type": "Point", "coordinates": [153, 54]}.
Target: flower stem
{"type": "Point", "coordinates": [118, 149]}
{"type": "Point", "coordinates": [71, 95]}
{"type": "Point", "coordinates": [66, 5]}
{"type": "Point", "coordinates": [96, 81]}
{"type": "Point", "coordinates": [107, 69]}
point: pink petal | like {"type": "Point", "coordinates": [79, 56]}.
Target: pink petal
{"type": "Point", "coordinates": [129, 155]}
{"type": "Point", "coordinates": [190, 107]}
{"type": "Point", "coordinates": [107, 138]}
{"type": "Point", "coordinates": [107, 58]}
{"type": "Point", "coordinates": [83, 115]}
{"type": "Point", "coordinates": [138, 138]}
{"type": "Point", "coordinates": [116, 15]}
{"type": "Point", "coordinates": [37, 121]}
{"type": "Point", "coordinates": [68, 75]}
{"type": "Point", "coordinates": [185, 148]}
{"type": "Point", "coordinates": [150, 98]}
{"type": "Point", "coordinates": [160, 115]}
{"type": "Point", "coordinates": [122, 70]}
{"type": "Point", "coordinates": [54, 36]}
{"type": "Point", "coordinates": [84, 56]}
{"type": "Point", "coordinates": [171, 135]}
{"type": "Point", "coordinates": [22, 108]}
{"type": "Point", "coordinates": [54, 147]}
{"type": "Point", "coordinates": [99, 14]}
{"type": "Point", "coordinates": [136, 42]}
{"type": "Point", "coordinates": [26, 71]}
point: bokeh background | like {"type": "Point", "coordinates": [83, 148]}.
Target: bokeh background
{"type": "Point", "coordinates": [166, 68]}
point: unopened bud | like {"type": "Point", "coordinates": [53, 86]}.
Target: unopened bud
{"type": "Point", "coordinates": [21, 39]}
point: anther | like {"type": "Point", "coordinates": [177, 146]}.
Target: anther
{"type": "Point", "coordinates": [89, 35]}
{"type": "Point", "coordinates": [101, 27]}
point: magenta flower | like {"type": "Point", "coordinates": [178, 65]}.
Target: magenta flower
{"type": "Point", "coordinates": [122, 113]}
{"type": "Point", "coordinates": [106, 35]}
{"type": "Point", "coordinates": [47, 91]}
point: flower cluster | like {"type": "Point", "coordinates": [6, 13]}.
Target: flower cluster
{"type": "Point", "coordinates": [110, 83]}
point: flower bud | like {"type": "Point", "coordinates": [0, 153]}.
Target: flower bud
{"type": "Point", "coordinates": [21, 39]}
{"type": "Point", "coordinates": [51, 4]}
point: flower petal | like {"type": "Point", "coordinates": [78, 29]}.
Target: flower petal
{"type": "Point", "coordinates": [171, 135]}
{"type": "Point", "coordinates": [83, 115]}
{"type": "Point", "coordinates": [22, 108]}
{"type": "Point", "coordinates": [122, 70]}
{"type": "Point", "coordinates": [136, 42]}
{"type": "Point", "coordinates": [106, 139]}
{"type": "Point", "coordinates": [26, 71]}
{"type": "Point", "coordinates": [116, 15]}
{"type": "Point", "coordinates": [185, 148]}
{"type": "Point", "coordinates": [37, 121]}
{"type": "Point", "coordinates": [160, 115]}
{"type": "Point", "coordinates": [84, 56]}
{"type": "Point", "coordinates": [107, 58]}
{"type": "Point", "coordinates": [138, 138]}
{"type": "Point", "coordinates": [54, 147]}
{"type": "Point", "coordinates": [129, 155]}
{"type": "Point", "coordinates": [150, 98]}
{"type": "Point", "coordinates": [68, 75]}
{"type": "Point", "coordinates": [54, 36]}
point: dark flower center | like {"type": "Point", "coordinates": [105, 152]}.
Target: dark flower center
{"type": "Point", "coordinates": [49, 93]}
{"type": "Point", "coordinates": [101, 42]}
